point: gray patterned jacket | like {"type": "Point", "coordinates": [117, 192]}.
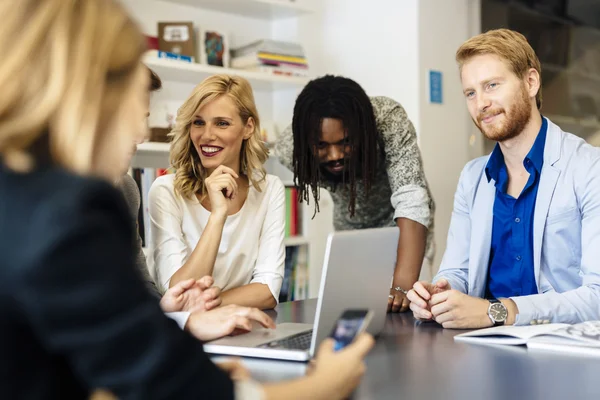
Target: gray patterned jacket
{"type": "Point", "coordinates": [400, 189]}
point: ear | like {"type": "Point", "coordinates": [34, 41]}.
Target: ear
{"type": "Point", "coordinates": [249, 128]}
{"type": "Point", "coordinates": [532, 80]}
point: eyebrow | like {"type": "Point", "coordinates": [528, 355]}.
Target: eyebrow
{"type": "Point", "coordinates": [227, 118]}
{"type": "Point", "coordinates": [495, 78]}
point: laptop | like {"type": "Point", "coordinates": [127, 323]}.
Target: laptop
{"type": "Point", "coordinates": [357, 272]}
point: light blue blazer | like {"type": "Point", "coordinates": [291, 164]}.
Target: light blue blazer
{"type": "Point", "coordinates": [566, 233]}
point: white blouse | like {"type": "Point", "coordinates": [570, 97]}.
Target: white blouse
{"type": "Point", "coordinates": [251, 248]}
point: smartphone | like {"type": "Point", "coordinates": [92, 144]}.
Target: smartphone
{"type": "Point", "coordinates": [349, 325]}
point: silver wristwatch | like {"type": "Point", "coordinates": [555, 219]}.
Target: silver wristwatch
{"type": "Point", "coordinates": [497, 312]}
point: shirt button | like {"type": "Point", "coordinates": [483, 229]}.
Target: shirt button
{"type": "Point", "coordinates": [517, 220]}
{"type": "Point", "coordinates": [518, 258]}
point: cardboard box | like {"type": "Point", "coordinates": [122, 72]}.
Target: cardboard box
{"type": "Point", "coordinates": [177, 38]}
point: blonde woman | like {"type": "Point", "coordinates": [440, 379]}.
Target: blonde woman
{"type": "Point", "coordinates": [220, 214]}
{"type": "Point", "coordinates": [75, 312]}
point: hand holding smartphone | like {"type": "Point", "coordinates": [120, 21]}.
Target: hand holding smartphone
{"type": "Point", "coordinates": [348, 326]}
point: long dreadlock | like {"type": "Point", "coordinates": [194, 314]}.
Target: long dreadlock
{"type": "Point", "coordinates": [339, 98]}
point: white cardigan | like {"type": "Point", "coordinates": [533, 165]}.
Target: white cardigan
{"type": "Point", "coordinates": [251, 248]}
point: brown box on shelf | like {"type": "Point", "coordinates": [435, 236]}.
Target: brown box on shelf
{"type": "Point", "coordinates": [177, 38]}
{"type": "Point", "coordinates": [160, 134]}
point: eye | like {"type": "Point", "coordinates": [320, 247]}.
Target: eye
{"type": "Point", "coordinates": [470, 94]}
{"type": "Point", "coordinates": [198, 122]}
{"type": "Point", "coordinates": [322, 145]}
{"type": "Point", "coordinates": [492, 85]}
{"type": "Point", "coordinates": [223, 123]}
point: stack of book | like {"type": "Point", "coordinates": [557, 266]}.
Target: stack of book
{"type": "Point", "coordinates": [295, 279]}
{"type": "Point", "coordinates": [271, 56]}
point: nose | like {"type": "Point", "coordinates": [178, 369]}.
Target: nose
{"type": "Point", "coordinates": [483, 103]}
{"type": "Point", "coordinates": [208, 133]}
{"type": "Point", "coordinates": [335, 152]}
{"type": "Point", "coordinates": [143, 134]}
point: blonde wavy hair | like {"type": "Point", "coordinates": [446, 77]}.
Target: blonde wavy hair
{"type": "Point", "coordinates": [65, 67]}
{"type": "Point", "coordinates": [190, 174]}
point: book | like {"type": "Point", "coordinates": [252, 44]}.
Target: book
{"type": "Point", "coordinates": [173, 56]}
{"type": "Point", "coordinates": [270, 46]}
{"type": "Point", "coordinates": [278, 71]}
{"type": "Point", "coordinates": [254, 60]}
{"type": "Point", "coordinates": [581, 338]}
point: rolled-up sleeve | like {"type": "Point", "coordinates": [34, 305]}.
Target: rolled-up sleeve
{"type": "Point", "coordinates": [269, 265]}
{"type": "Point", "coordinates": [410, 194]}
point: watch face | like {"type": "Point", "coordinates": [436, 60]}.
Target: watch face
{"type": "Point", "coordinates": [498, 312]}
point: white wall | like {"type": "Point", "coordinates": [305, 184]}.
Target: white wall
{"type": "Point", "coordinates": [445, 129]}
{"type": "Point", "coordinates": [372, 42]}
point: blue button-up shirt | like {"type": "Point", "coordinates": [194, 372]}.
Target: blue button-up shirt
{"type": "Point", "coordinates": [510, 271]}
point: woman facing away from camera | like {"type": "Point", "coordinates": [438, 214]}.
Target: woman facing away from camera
{"type": "Point", "coordinates": [75, 314]}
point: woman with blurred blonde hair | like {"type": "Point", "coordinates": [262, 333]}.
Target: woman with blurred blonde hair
{"type": "Point", "coordinates": [220, 214]}
{"type": "Point", "coordinates": [75, 314]}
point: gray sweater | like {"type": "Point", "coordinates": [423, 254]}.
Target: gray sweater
{"type": "Point", "coordinates": [131, 193]}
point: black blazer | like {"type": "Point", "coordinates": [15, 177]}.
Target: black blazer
{"type": "Point", "coordinates": [74, 313]}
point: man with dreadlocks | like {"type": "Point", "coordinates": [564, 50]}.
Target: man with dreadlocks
{"type": "Point", "coordinates": [364, 151]}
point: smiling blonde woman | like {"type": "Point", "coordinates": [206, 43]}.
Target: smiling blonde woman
{"type": "Point", "coordinates": [220, 214]}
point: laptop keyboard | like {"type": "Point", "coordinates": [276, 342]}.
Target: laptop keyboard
{"type": "Point", "coordinates": [299, 341]}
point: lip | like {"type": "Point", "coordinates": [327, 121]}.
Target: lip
{"type": "Point", "coordinates": [489, 119]}
{"type": "Point", "coordinates": [336, 169]}
{"type": "Point", "coordinates": [210, 153]}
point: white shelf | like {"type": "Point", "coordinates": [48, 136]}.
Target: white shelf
{"type": "Point", "coordinates": [154, 147]}
{"type": "Point", "coordinates": [181, 71]}
{"type": "Point", "coordinates": [259, 9]}
{"type": "Point", "coordinates": [295, 241]}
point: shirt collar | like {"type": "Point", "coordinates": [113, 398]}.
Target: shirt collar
{"type": "Point", "coordinates": [535, 155]}
{"type": "Point", "coordinates": [494, 164]}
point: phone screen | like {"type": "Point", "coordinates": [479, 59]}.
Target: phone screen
{"type": "Point", "coordinates": [348, 326]}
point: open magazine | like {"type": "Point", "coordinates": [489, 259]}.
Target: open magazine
{"type": "Point", "coordinates": [582, 338]}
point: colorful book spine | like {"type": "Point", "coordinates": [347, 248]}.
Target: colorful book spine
{"type": "Point", "coordinates": [293, 212]}
{"type": "Point", "coordinates": [288, 214]}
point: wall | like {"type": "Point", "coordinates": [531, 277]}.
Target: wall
{"type": "Point", "coordinates": [448, 137]}
{"type": "Point", "coordinates": [370, 42]}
